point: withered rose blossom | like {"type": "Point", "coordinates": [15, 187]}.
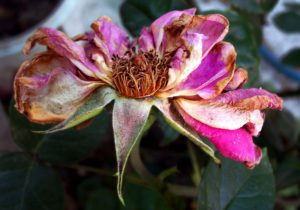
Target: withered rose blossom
{"type": "Point", "coordinates": [178, 64]}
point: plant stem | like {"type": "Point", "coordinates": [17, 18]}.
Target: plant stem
{"type": "Point", "coordinates": [137, 163]}
{"type": "Point", "coordinates": [104, 172]}
{"type": "Point", "coordinates": [197, 171]}
{"type": "Point", "coordinates": [168, 172]}
{"type": "Point", "coordinates": [180, 190]}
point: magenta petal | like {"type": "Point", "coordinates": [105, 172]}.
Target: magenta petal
{"type": "Point", "coordinates": [239, 78]}
{"type": "Point", "coordinates": [250, 99]}
{"type": "Point", "coordinates": [181, 66]}
{"type": "Point", "coordinates": [145, 41]}
{"type": "Point", "coordinates": [157, 27]}
{"type": "Point", "coordinates": [235, 144]}
{"type": "Point", "coordinates": [214, 28]}
{"type": "Point", "coordinates": [63, 46]}
{"type": "Point", "coordinates": [222, 116]}
{"type": "Point", "coordinates": [211, 76]}
{"type": "Point", "coordinates": [232, 110]}
{"type": "Point", "coordinates": [110, 37]}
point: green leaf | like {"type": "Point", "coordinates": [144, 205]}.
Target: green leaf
{"type": "Point", "coordinates": [254, 6]}
{"type": "Point", "coordinates": [73, 145]}
{"type": "Point", "coordinates": [63, 147]}
{"type": "Point", "coordinates": [95, 195]}
{"type": "Point", "coordinates": [251, 6]}
{"type": "Point", "coordinates": [139, 197]}
{"type": "Point", "coordinates": [129, 121]}
{"type": "Point", "coordinates": [292, 58]}
{"type": "Point", "coordinates": [136, 14]}
{"type": "Point", "coordinates": [287, 172]}
{"type": "Point", "coordinates": [293, 6]}
{"type": "Point", "coordinates": [288, 21]}
{"type": "Point", "coordinates": [25, 185]}
{"type": "Point", "coordinates": [242, 36]}
{"type": "Point", "coordinates": [268, 5]}
{"type": "Point", "coordinates": [280, 131]}
{"type": "Point", "coordinates": [174, 120]}
{"type": "Point", "coordinates": [86, 187]}
{"type": "Point", "coordinates": [245, 37]}
{"type": "Point", "coordinates": [93, 107]}
{"type": "Point", "coordinates": [21, 130]}
{"type": "Point", "coordinates": [102, 198]}
{"type": "Point", "coordinates": [170, 134]}
{"type": "Point", "coordinates": [233, 187]}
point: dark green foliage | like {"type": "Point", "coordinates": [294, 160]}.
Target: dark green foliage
{"type": "Point", "coordinates": [233, 187]}
{"type": "Point", "coordinates": [288, 21]}
{"type": "Point", "coordinates": [137, 14]}
{"type": "Point", "coordinates": [292, 58]}
{"type": "Point", "coordinates": [26, 185]}
{"type": "Point", "coordinates": [62, 147]}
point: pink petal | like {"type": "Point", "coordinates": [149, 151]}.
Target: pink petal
{"type": "Point", "coordinates": [145, 41]}
{"type": "Point", "coordinates": [232, 110]}
{"type": "Point", "coordinates": [47, 89]}
{"type": "Point", "coordinates": [250, 99]}
{"type": "Point", "coordinates": [214, 27]}
{"type": "Point", "coordinates": [183, 63]}
{"type": "Point", "coordinates": [157, 27]}
{"type": "Point", "coordinates": [239, 78]}
{"type": "Point", "coordinates": [63, 46]}
{"type": "Point", "coordinates": [222, 116]}
{"type": "Point", "coordinates": [235, 144]}
{"type": "Point", "coordinates": [110, 38]}
{"type": "Point", "coordinates": [211, 76]}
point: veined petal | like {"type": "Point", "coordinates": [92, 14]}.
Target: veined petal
{"type": "Point", "coordinates": [250, 99]}
{"type": "Point", "coordinates": [157, 27]}
{"type": "Point", "coordinates": [232, 110]}
{"type": "Point", "coordinates": [196, 35]}
{"type": "Point", "coordinates": [184, 63]}
{"type": "Point", "coordinates": [239, 78]}
{"type": "Point", "coordinates": [235, 144]}
{"type": "Point", "coordinates": [145, 40]}
{"type": "Point", "coordinates": [47, 90]}
{"type": "Point", "coordinates": [211, 76]}
{"type": "Point", "coordinates": [214, 28]}
{"type": "Point", "coordinates": [222, 116]}
{"type": "Point", "coordinates": [110, 38]}
{"type": "Point", "coordinates": [63, 46]}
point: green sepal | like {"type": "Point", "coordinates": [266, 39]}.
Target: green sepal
{"type": "Point", "coordinates": [130, 117]}
{"type": "Point", "coordinates": [173, 118]}
{"type": "Point", "coordinates": [91, 108]}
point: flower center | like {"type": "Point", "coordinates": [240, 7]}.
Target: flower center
{"type": "Point", "coordinates": [140, 75]}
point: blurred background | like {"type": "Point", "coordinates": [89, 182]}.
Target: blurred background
{"type": "Point", "coordinates": [266, 34]}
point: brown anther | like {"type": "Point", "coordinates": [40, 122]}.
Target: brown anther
{"type": "Point", "coordinates": [139, 75]}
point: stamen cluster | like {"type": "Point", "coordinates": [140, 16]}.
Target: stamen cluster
{"type": "Point", "coordinates": [139, 75]}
